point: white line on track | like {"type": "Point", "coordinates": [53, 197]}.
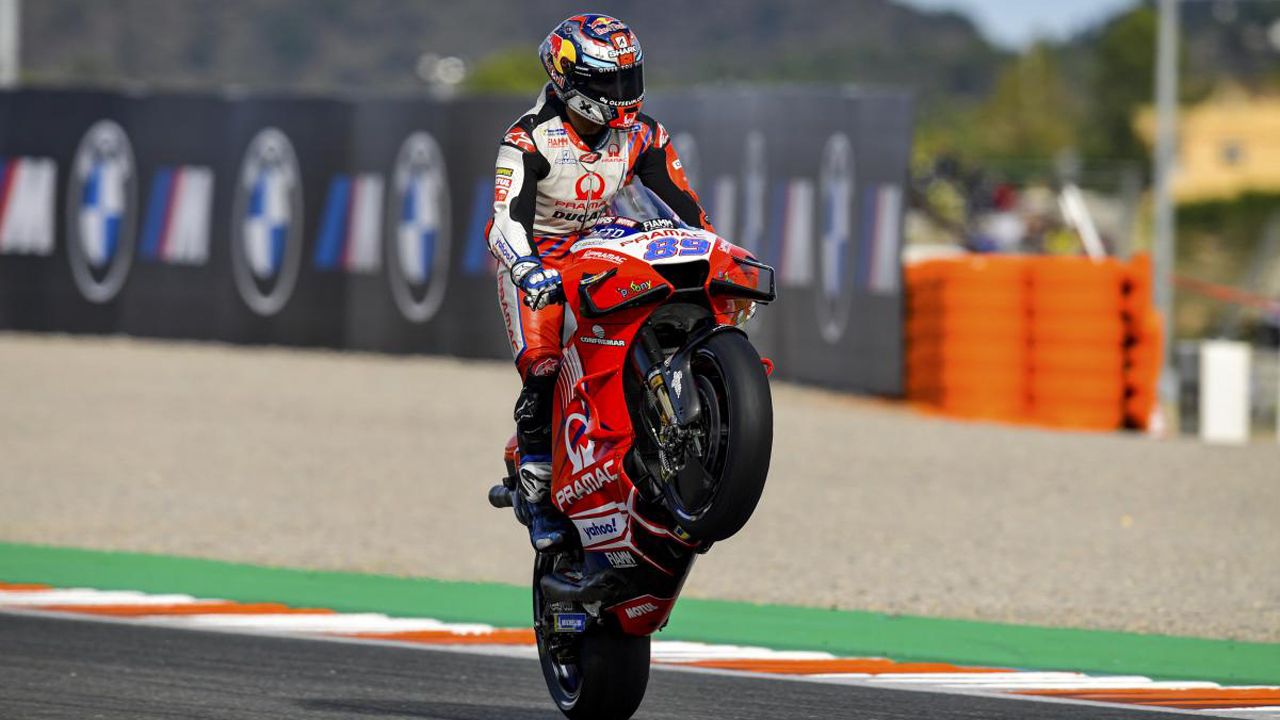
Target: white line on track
{"type": "Point", "coordinates": [85, 596]}
{"type": "Point", "coordinates": [323, 623]}
{"type": "Point", "coordinates": [677, 651]}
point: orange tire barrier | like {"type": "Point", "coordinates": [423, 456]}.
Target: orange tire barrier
{"type": "Point", "coordinates": [964, 326]}
{"type": "Point", "coordinates": [1083, 415]}
{"type": "Point", "coordinates": [1144, 349]}
{"type": "Point", "coordinates": [1080, 331]}
{"type": "Point", "coordinates": [1057, 388]}
{"type": "Point", "coordinates": [1064, 342]}
{"type": "Point", "coordinates": [965, 351]}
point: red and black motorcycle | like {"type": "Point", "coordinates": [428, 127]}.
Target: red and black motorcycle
{"type": "Point", "coordinates": [662, 432]}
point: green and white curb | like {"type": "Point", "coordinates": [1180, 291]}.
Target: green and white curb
{"type": "Point", "coordinates": [1182, 674]}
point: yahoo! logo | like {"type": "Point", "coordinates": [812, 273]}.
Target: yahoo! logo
{"type": "Point", "coordinates": [604, 529]}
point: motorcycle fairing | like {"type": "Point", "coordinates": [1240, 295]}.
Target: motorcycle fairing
{"type": "Point", "coordinates": [612, 287]}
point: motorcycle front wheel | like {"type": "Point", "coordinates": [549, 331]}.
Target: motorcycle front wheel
{"type": "Point", "coordinates": [599, 675]}
{"type": "Point", "coordinates": [713, 498]}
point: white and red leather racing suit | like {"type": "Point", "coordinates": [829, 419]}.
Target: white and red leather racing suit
{"type": "Point", "coordinates": [550, 188]}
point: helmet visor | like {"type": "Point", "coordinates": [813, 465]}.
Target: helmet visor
{"type": "Point", "coordinates": [624, 86]}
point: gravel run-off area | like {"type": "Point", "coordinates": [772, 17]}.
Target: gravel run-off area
{"type": "Point", "coordinates": [374, 463]}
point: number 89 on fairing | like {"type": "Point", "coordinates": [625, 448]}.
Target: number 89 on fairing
{"type": "Point", "coordinates": [669, 247]}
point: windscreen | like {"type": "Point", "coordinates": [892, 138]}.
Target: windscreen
{"type": "Point", "coordinates": [639, 203]}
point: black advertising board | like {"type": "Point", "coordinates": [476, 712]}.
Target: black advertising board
{"type": "Point", "coordinates": [360, 223]}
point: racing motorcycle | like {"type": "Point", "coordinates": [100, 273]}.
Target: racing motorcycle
{"type": "Point", "coordinates": [662, 433]}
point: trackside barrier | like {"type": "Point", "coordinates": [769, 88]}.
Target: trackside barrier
{"type": "Point", "coordinates": [1054, 341]}
{"type": "Point", "coordinates": [359, 224]}
{"type": "Point", "coordinates": [1262, 387]}
{"type": "Point", "coordinates": [967, 336]}
{"type": "Point", "coordinates": [1224, 392]}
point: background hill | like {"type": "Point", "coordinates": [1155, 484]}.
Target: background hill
{"type": "Point", "coordinates": [976, 99]}
{"type": "Point", "coordinates": [375, 44]}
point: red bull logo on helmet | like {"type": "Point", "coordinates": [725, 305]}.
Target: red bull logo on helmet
{"type": "Point", "coordinates": [563, 54]}
{"type": "Point", "coordinates": [602, 25]}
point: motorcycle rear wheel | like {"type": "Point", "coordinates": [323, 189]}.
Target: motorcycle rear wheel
{"type": "Point", "coordinates": [607, 678]}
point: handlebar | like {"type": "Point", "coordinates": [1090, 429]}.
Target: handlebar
{"type": "Point", "coordinates": [501, 497]}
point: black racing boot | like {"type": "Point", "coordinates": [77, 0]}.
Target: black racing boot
{"type": "Point", "coordinates": [548, 528]}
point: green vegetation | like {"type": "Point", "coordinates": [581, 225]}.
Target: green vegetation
{"type": "Point", "coordinates": [510, 71]}
{"type": "Point", "coordinates": [977, 102]}
{"type": "Point", "coordinates": [1083, 94]}
{"type": "Point", "coordinates": [1121, 82]}
{"type": "Point", "coordinates": [1219, 242]}
{"type": "Point", "coordinates": [374, 45]}
{"type": "Point", "coordinates": [1030, 114]}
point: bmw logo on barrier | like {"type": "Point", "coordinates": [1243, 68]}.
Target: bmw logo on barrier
{"type": "Point", "coordinates": [101, 210]}
{"type": "Point", "coordinates": [266, 223]}
{"type": "Point", "coordinates": [835, 243]}
{"type": "Point", "coordinates": [418, 227]}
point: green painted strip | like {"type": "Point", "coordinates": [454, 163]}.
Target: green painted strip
{"type": "Point", "coordinates": [491, 603]}
{"type": "Point", "coordinates": [776, 626]}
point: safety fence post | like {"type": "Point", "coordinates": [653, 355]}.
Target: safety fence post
{"type": "Point", "coordinates": [1224, 392]}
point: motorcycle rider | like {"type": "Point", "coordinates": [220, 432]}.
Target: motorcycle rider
{"type": "Point", "coordinates": [558, 168]}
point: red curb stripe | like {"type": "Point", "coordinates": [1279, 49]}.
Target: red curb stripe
{"type": "Point", "coordinates": [1188, 699]}
{"type": "Point", "coordinates": [1205, 704]}
{"type": "Point", "coordinates": [1165, 695]}
{"type": "Point", "coordinates": [23, 587]}
{"type": "Point", "coordinates": [869, 666]}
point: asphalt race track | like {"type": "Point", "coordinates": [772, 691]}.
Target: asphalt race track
{"type": "Point", "coordinates": [73, 669]}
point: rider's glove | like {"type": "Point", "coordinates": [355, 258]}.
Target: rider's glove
{"type": "Point", "coordinates": [541, 286]}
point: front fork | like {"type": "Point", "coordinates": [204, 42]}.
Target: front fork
{"type": "Point", "coordinates": [669, 380]}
